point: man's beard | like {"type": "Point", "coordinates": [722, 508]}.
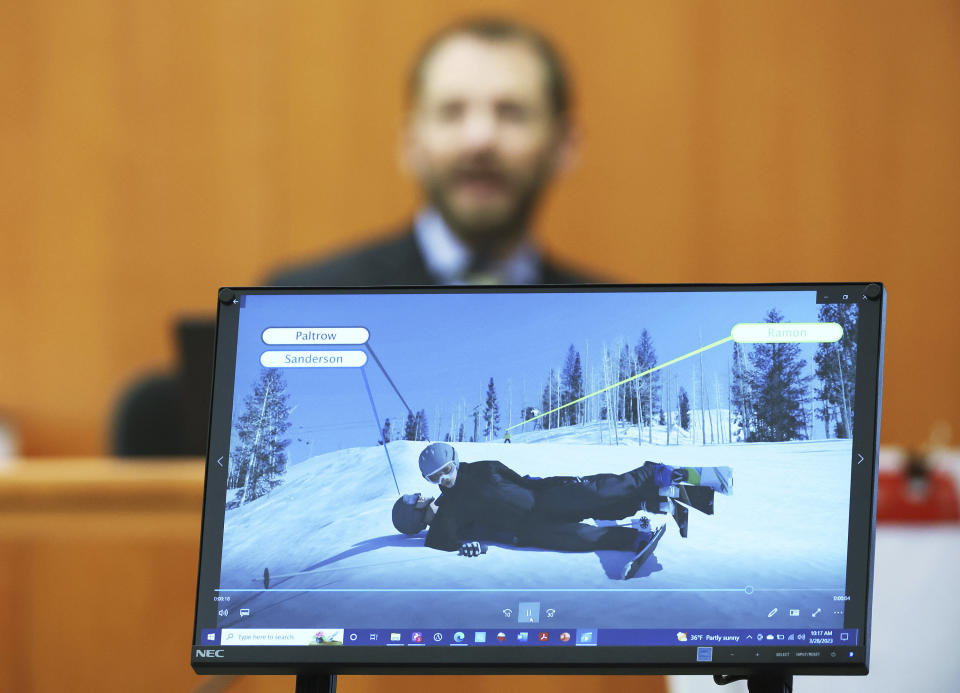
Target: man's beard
{"type": "Point", "coordinates": [487, 227]}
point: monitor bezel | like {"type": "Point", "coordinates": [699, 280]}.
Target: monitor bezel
{"type": "Point", "coordinates": [524, 659]}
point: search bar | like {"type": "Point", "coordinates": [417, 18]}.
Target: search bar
{"type": "Point", "coordinates": [290, 637]}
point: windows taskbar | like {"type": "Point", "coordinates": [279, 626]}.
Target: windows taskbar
{"type": "Point", "coordinates": [530, 636]}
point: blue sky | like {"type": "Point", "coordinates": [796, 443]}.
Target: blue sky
{"type": "Point", "coordinates": [441, 349]}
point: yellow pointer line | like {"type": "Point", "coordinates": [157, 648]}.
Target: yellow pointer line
{"type": "Point", "coordinates": [627, 380]}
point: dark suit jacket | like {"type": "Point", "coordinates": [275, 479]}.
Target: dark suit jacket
{"type": "Point", "coordinates": [395, 261]}
{"type": "Point", "coordinates": [392, 262]}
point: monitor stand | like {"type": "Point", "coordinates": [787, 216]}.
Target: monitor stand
{"type": "Point", "coordinates": [759, 683]}
{"type": "Point", "coordinates": [316, 683]}
{"type": "Point", "coordinates": [327, 683]}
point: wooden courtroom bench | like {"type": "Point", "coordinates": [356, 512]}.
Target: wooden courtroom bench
{"type": "Point", "coordinates": [98, 576]}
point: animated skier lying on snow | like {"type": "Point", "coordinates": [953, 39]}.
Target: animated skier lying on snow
{"type": "Point", "coordinates": [488, 501]}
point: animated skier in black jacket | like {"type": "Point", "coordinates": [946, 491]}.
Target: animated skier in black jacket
{"type": "Point", "coordinates": [488, 501]}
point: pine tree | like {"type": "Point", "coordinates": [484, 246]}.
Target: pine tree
{"type": "Point", "coordinates": [259, 459]}
{"type": "Point", "coordinates": [683, 404]}
{"type": "Point", "coordinates": [410, 429]}
{"type": "Point", "coordinates": [779, 384]}
{"type": "Point", "coordinates": [491, 413]}
{"type": "Point", "coordinates": [571, 386]}
{"type": "Point", "coordinates": [460, 434]}
{"type": "Point", "coordinates": [421, 432]}
{"type": "Point", "coordinates": [836, 369]}
{"type": "Point", "coordinates": [650, 384]}
{"type": "Point", "coordinates": [546, 401]}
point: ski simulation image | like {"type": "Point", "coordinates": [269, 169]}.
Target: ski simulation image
{"type": "Point", "coordinates": [623, 459]}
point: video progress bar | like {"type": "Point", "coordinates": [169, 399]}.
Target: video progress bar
{"type": "Point", "coordinates": [608, 590]}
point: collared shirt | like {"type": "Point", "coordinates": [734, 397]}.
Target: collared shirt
{"type": "Point", "coordinates": [449, 259]}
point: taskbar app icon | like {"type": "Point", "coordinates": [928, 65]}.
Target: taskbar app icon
{"type": "Point", "coordinates": [451, 637]}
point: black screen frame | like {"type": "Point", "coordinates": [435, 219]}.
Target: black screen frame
{"type": "Point", "coordinates": [512, 659]}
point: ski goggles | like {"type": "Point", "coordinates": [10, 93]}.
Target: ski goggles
{"type": "Point", "coordinates": [440, 473]}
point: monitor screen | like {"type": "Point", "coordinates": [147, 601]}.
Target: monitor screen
{"type": "Point", "coordinates": [652, 478]}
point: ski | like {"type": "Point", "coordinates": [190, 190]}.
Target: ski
{"type": "Point", "coordinates": [697, 497]}
{"type": "Point", "coordinates": [682, 517]}
{"type": "Point", "coordinates": [720, 479]}
{"type": "Point", "coordinates": [634, 565]}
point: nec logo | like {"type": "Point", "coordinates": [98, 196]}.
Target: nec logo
{"type": "Point", "coordinates": [209, 653]}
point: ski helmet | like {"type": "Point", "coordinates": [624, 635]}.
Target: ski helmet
{"type": "Point", "coordinates": [407, 517]}
{"type": "Point", "coordinates": [435, 456]}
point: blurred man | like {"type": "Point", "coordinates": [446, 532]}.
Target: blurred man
{"type": "Point", "coordinates": [488, 126]}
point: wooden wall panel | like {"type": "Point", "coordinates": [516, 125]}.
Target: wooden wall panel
{"type": "Point", "coordinates": [153, 151]}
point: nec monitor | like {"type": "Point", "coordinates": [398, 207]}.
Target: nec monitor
{"type": "Point", "coordinates": [659, 479]}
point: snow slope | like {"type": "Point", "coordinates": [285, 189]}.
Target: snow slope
{"type": "Point", "coordinates": [601, 433]}
{"type": "Point", "coordinates": [780, 540]}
